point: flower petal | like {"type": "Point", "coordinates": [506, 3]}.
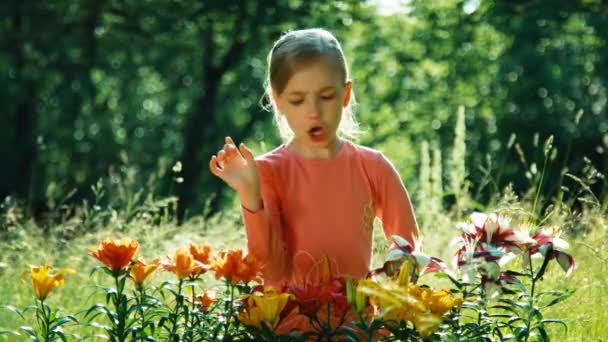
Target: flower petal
{"type": "Point", "coordinates": [566, 261]}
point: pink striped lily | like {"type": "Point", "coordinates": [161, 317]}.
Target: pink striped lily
{"type": "Point", "coordinates": [404, 251]}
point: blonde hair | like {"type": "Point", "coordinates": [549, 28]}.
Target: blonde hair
{"type": "Point", "coordinates": [297, 48]}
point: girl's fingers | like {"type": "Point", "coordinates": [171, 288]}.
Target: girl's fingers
{"type": "Point", "coordinates": [246, 152]}
{"type": "Point", "coordinates": [231, 151]}
{"type": "Point", "coordinates": [231, 147]}
{"type": "Point", "coordinates": [213, 167]}
{"type": "Point", "coordinates": [221, 157]}
{"type": "Point", "coordinates": [228, 149]}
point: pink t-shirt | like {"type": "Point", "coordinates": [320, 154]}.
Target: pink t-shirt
{"type": "Point", "coordinates": [316, 208]}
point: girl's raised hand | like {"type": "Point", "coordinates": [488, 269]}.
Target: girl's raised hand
{"type": "Point", "coordinates": [236, 167]}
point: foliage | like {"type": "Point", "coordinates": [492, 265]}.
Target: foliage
{"type": "Point", "coordinates": [131, 88]}
{"type": "Point", "coordinates": [388, 305]}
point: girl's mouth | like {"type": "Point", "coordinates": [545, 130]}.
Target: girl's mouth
{"type": "Point", "coordinates": [317, 133]}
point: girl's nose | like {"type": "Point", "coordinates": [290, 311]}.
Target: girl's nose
{"type": "Point", "coordinates": [314, 108]}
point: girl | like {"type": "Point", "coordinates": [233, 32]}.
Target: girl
{"type": "Point", "coordinates": [314, 198]}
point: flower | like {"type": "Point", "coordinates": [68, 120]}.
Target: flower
{"type": "Point", "coordinates": [402, 251]}
{"type": "Point", "coordinates": [553, 247]}
{"type": "Point", "coordinates": [201, 253]}
{"type": "Point", "coordinates": [141, 270]}
{"type": "Point", "coordinates": [115, 254]}
{"type": "Point", "coordinates": [266, 306]}
{"type": "Point", "coordinates": [493, 230]}
{"type": "Point", "coordinates": [183, 264]}
{"type": "Point", "coordinates": [206, 300]}
{"type": "Point", "coordinates": [235, 268]}
{"type": "Point", "coordinates": [310, 298]}
{"type": "Point", "coordinates": [44, 282]}
{"type": "Point", "coordinates": [400, 300]}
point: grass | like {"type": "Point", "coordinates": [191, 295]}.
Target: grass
{"type": "Point", "coordinates": [63, 239]}
{"type": "Point", "coordinates": [24, 243]}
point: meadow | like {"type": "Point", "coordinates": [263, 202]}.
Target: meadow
{"type": "Point", "coordinates": [65, 234]}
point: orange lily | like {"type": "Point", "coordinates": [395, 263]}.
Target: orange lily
{"type": "Point", "coordinates": [201, 253]}
{"type": "Point", "coordinates": [115, 254]}
{"type": "Point", "coordinates": [235, 268]}
{"type": "Point", "coordinates": [206, 300]}
{"type": "Point", "coordinates": [44, 282]}
{"type": "Point", "coordinates": [141, 270]}
{"type": "Point", "coordinates": [183, 264]}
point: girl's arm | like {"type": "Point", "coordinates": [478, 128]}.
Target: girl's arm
{"type": "Point", "coordinates": [238, 168]}
{"type": "Point", "coordinates": [393, 205]}
{"type": "Point", "coordinates": [265, 238]}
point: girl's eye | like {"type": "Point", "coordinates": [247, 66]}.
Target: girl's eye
{"type": "Point", "coordinates": [296, 102]}
{"type": "Point", "coordinates": [328, 97]}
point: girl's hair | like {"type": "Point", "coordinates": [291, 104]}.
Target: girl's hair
{"type": "Point", "coordinates": [297, 48]}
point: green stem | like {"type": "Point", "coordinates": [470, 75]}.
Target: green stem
{"type": "Point", "coordinates": [192, 315]}
{"type": "Point", "coordinates": [530, 299]}
{"type": "Point", "coordinates": [178, 304]}
{"type": "Point", "coordinates": [230, 306]}
{"type": "Point", "coordinates": [140, 302]}
{"type": "Point", "coordinates": [538, 189]}
{"type": "Point", "coordinates": [120, 313]}
{"type": "Point", "coordinates": [44, 321]}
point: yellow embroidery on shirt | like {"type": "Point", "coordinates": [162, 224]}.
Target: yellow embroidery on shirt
{"type": "Point", "coordinates": [369, 213]}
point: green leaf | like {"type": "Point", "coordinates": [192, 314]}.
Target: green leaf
{"type": "Point", "coordinates": [62, 320]}
{"type": "Point", "coordinates": [521, 332]}
{"type": "Point", "coordinates": [565, 295]}
{"type": "Point", "coordinates": [500, 315]}
{"type": "Point", "coordinates": [30, 332]}
{"type": "Point", "coordinates": [517, 274]}
{"type": "Point", "coordinates": [30, 308]}
{"type": "Point", "coordinates": [512, 303]}
{"type": "Point", "coordinates": [98, 308]}
{"type": "Point", "coordinates": [61, 335]}
{"type": "Point", "coordinates": [556, 321]}
{"type": "Point", "coordinates": [12, 332]}
{"type": "Point", "coordinates": [542, 332]}
{"type": "Point", "coordinates": [97, 268]}
{"type": "Point", "coordinates": [15, 310]}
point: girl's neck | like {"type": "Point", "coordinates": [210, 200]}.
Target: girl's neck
{"type": "Point", "coordinates": [330, 151]}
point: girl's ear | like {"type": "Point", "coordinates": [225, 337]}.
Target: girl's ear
{"type": "Point", "coordinates": [348, 87]}
{"type": "Point", "coordinates": [275, 101]}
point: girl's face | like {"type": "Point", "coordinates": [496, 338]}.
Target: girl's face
{"type": "Point", "coordinates": [312, 103]}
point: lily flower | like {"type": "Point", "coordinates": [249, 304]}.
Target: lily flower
{"type": "Point", "coordinates": [493, 230]}
{"type": "Point", "coordinates": [182, 264]}
{"type": "Point", "coordinates": [263, 307]}
{"type": "Point", "coordinates": [115, 254]}
{"type": "Point", "coordinates": [42, 281]}
{"type": "Point", "coordinates": [400, 300]}
{"type": "Point", "coordinates": [403, 251]}
{"type": "Point", "coordinates": [201, 253]}
{"type": "Point", "coordinates": [310, 298]}
{"type": "Point", "coordinates": [553, 247]}
{"type": "Point", "coordinates": [206, 300]}
{"type": "Point", "coordinates": [235, 267]}
{"type": "Point", "coordinates": [141, 271]}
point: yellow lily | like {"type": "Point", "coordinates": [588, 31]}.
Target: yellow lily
{"type": "Point", "coordinates": [400, 300]}
{"type": "Point", "coordinates": [42, 281]}
{"type": "Point", "coordinates": [263, 307]}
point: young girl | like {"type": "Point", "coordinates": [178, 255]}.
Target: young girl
{"type": "Point", "coordinates": [313, 198]}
